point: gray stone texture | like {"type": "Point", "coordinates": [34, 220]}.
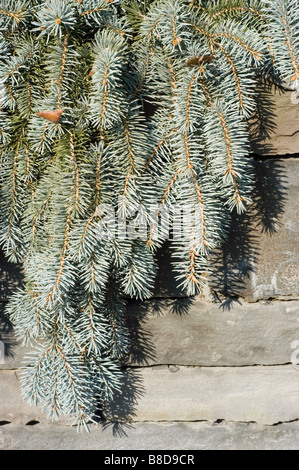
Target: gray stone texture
{"type": "Point", "coordinates": [276, 272]}
{"type": "Point", "coordinates": [266, 395]}
{"type": "Point", "coordinates": [260, 258]}
{"type": "Point", "coordinates": [195, 332]}
{"type": "Point", "coordinates": [192, 331]}
{"type": "Point", "coordinates": [149, 436]}
{"type": "Point", "coordinates": [275, 124]}
{"type": "Point", "coordinates": [12, 406]}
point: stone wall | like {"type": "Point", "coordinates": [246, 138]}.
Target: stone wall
{"type": "Point", "coordinates": [230, 354]}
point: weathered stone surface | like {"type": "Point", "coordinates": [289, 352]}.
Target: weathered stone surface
{"type": "Point", "coordinates": [260, 258]}
{"type": "Point", "coordinates": [149, 436]}
{"type": "Point", "coordinates": [266, 395]}
{"type": "Point", "coordinates": [276, 268]}
{"type": "Point", "coordinates": [277, 133]}
{"type": "Point", "coordinates": [12, 407]}
{"type": "Point", "coordinates": [194, 332]}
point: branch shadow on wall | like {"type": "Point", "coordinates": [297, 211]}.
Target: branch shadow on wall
{"type": "Point", "coordinates": [121, 412]}
{"type": "Point", "coordinates": [10, 279]}
{"type": "Point", "coordinates": [235, 262]}
{"type": "Point", "coordinates": [262, 123]}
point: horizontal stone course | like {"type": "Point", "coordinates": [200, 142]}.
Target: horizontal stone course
{"type": "Point", "coordinates": [261, 394]}
{"type": "Point", "coordinates": [266, 395]}
{"type": "Point", "coordinates": [195, 332]}
{"type": "Point", "coordinates": [275, 271]}
{"type": "Point", "coordinates": [149, 436]}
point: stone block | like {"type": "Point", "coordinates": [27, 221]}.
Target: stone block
{"type": "Point", "coordinates": [275, 123]}
{"type": "Point", "coordinates": [194, 332]}
{"type": "Point", "coordinates": [261, 394]}
{"type": "Point", "coordinates": [149, 436]}
{"type": "Point", "coordinates": [260, 258]}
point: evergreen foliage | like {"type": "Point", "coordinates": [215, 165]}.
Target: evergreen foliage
{"type": "Point", "coordinates": [76, 78]}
